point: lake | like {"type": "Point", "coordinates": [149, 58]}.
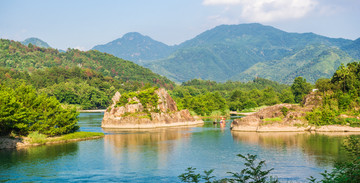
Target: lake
{"type": "Point", "coordinates": [160, 155]}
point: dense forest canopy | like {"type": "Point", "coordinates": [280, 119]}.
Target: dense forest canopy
{"type": "Point", "coordinates": [204, 97]}
{"type": "Point", "coordinates": [29, 58]}
{"type": "Point", "coordinates": [87, 79]}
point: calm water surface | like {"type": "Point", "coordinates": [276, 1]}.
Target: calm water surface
{"type": "Point", "coordinates": [160, 155]}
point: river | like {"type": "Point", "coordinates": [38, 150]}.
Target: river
{"type": "Point", "coordinates": [160, 155]}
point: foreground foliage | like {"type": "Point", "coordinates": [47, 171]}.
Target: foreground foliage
{"type": "Point", "coordinates": [23, 110]}
{"type": "Point", "coordinates": [343, 172]}
{"type": "Point", "coordinates": [252, 173]}
{"type": "Point", "coordinates": [348, 171]}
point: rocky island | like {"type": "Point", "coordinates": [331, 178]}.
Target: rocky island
{"type": "Point", "coordinates": [150, 108]}
{"type": "Point", "coordinates": [287, 118]}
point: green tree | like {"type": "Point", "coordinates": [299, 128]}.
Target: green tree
{"type": "Point", "coordinates": [23, 110]}
{"type": "Point", "coordinates": [300, 88]}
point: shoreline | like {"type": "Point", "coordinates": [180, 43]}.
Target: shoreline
{"type": "Point", "coordinates": [7, 142]}
{"type": "Point", "coordinates": [326, 128]}
{"type": "Point", "coordinates": [152, 125]}
{"type": "Point", "coordinates": [93, 111]}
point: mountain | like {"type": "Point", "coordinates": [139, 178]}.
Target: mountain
{"type": "Point", "coordinates": [136, 47]}
{"type": "Point", "coordinates": [35, 41]}
{"type": "Point", "coordinates": [353, 48]}
{"type": "Point", "coordinates": [312, 62]}
{"type": "Point", "coordinates": [244, 51]}
{"type": "Point", "coordinates": [18, 57]}
{"type": "Point", "coordinates": [222, 53]}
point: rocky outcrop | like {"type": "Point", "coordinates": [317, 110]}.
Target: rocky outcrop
{"type": "Point", "coordinates": [135, 115]}
{"type": "Point", "coordinates": [273, 119]}
{"type": "Point", "coordinates": [292, 119]}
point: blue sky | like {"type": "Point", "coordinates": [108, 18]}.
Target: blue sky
{"type": "Point", "coordinates": [83, 24]}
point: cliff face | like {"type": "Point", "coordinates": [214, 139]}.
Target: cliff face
{"type": "Point", "coordinates": [135, 115]}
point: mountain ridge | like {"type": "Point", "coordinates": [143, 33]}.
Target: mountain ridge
{"type": "Point", "coordinates": [224, 52]}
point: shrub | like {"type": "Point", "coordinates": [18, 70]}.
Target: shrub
{"type": "Point", "coordinates": [284, 110]}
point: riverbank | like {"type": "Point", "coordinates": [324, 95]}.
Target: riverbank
{"type": "Point", "coordinates": [93, 111]}
{"type": "Point", "coordinates": [286, 118]}
{"type": "Point", "coordinates": [39, 139]}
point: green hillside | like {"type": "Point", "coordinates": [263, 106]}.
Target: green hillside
{"type": "Point", "coordinates": [353, 48]}
{"type": "Point", "coordinates": [312, 62]}
{"type": "Point", "coordinates": [226, 51]}
{"type": "Point", "coordinates": [19, 57]}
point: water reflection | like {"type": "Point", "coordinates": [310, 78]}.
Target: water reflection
{"type": "Point", "coordinates": [323, 148]}
{"type": "Point", "coordinates": [146, 147]}
{"type": "Point", "coordinates": [33, 161]}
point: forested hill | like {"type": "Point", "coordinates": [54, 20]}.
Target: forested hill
{"type": "Point", "coordinates": [16, 56]}
{"type": "Point", "coordinates": [136, 47]}
{"type": "Point", "coordinates": [35, 41]}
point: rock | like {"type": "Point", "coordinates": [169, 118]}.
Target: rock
{"type": "Point", "coordinates": [136, 115]}
{"type": "Point", "coordinates": [294, 121]}
{"type": "Point", "coordinates": [337, 128]}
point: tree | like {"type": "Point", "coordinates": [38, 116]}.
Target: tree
{"type": "Point", "coordinates": [300, 88]}
{"type": "Point", "coordinates": [23, 110]}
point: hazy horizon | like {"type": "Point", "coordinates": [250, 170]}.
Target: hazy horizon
{"type": "Point", "coordinates": [83, 24]}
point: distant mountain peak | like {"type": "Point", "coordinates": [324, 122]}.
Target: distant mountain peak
{"type": "Point", "coordinates": [35, 41]}
{"type": "Point", "coordinates": [133, 35]}
{"type": "Point", "coordinates": [136, 47]}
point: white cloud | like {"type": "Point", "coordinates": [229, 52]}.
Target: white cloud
{"type": "Point", "coordinates": [81, 48]}
{"type": "Point", "coordinates": [266, 10]}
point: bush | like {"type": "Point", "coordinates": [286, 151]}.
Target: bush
{"type": "Point", "coordinates": [284, 110]}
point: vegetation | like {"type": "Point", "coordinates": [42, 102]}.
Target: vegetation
{"type": "Point", "coordinates": [205, 97]}
{"type": "Point", "coordinates": [340, 98]}
{"type": "Point", "coordinates": [147, 97]}
{"type": "Point", "coordinates": [311, 62]}
{"type": "Point", "coordinates": [86, 79]}
{"type": "Point", "coordinates": [37, 138]}
{"type": "Point", "coordinates": [300, 88]}
{"type": "Point", "coordinates": [343, 172]}
{"type": "Point", "coordinates": [22, 110]}
{"type": "Point", "coordinates": [23, 58]}
{"type": "Point", "coordinates": [252, 173]}
{"type": "Point", "coordinates": [348, 171]}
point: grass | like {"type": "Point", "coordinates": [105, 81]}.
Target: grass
{"type": "Point", "coordinates": [253, 109]}
{"type": "Point", "coordinates": [354, 122]}
{"type": "Point", "coordinates": [80, 135]}
{"type": "Point", "coordinates": [37, 138]}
